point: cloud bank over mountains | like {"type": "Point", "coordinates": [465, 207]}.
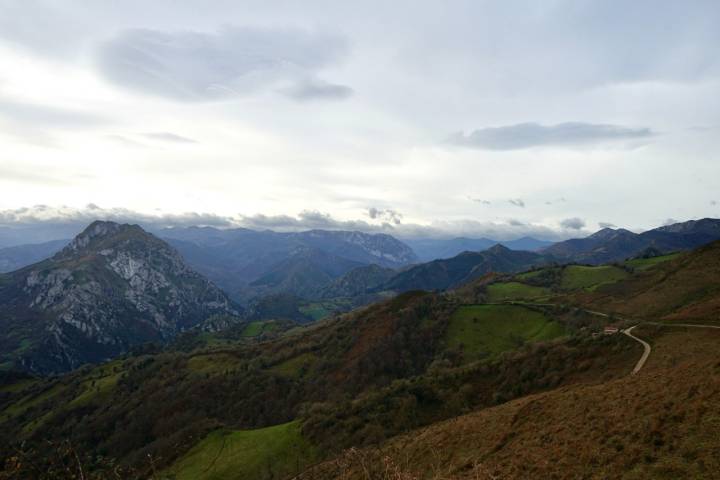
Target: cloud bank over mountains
{"type": "Point", "coordinates": [43, 223]}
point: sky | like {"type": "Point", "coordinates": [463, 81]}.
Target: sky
{"type": "Point", "coordinates": [414, 118]}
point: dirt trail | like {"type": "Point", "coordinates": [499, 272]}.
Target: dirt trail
{"type": "Point", "coordinates": [646, 352]}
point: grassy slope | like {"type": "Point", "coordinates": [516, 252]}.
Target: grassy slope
{"type": "Point", "coordinates": [646, 263]}
{"type": "Point", "coordinates": [684, 288]}
{"type": "Point", "coordinates": [272, 452]}
{"type": "Point", "coordinates": [502, 291]}
{"type": "Point", "coordinates": [481, 330]}
{"type": "Point", "coordinates": [659, 424]}
{"type": "Point", "coordinates": [296, 366]}
{"type": "Point", "coordinates": [580, 276]}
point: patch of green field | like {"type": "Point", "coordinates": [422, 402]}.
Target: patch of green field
{"type": "Point", "coordinates": [645, 263]}
{"type": "Point", "coordinates": [500, 292]}
{"type": "Point", "coordinates": [296, 366]}
{"type": "Point", "coordinates": [212, 339]}
{"type": "Point", "coordinates": [273, 452]}
{"type": "Point", "coordinates": [487, 330]}
{"type": "Point", "coordinates": [580, 276]}
{"type": "Point", "coordinates": [258, 327]}
{"type": "Point", "coordinates": [321, 310]}
{"type": "Point", "coordinates": [529, 275]}
{"type": "Point", "coordinates": [316, 311]}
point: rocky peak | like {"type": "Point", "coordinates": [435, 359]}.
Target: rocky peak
{"type": "Point", "coordinates": [112, 287]}
{"type": "Point", "coordinates": [101, 234]}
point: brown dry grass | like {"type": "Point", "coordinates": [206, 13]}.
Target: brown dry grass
{"type": "Point", "coordinates": [663, 423]}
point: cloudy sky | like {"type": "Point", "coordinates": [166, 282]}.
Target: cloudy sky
{"type": "Point", "coordinates": [501, 118]}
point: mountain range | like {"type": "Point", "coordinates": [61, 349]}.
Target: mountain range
{"type": "Point", "coordinates": [246, 263]}
{"type": "Point", "coordinates": [609, 245]}
{"type": "Point", "coordinates": [428, 249]}
{"type": "Point", "coordinates": [322, 265]}
{"type": "Point", "coordinates": [524, 387]}
{"type": "Point", "coordinates": [462, 268]}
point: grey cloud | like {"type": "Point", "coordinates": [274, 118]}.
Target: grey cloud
{"type": "Point", "coordinates": [516, 223]}
{"type": "Point", "coordinates": [45, 214]}
{"type": "Point", "coordinates": [713, 202]}
{"type": "Point", "coordinates": [198, 66]}
{"type": "Point", "coordinates": [606, 225]}
{"type": "Point", "coordinates": [480, 201]}
{"type": "Point", "coordinates": [168, 137]}
{"type": "Point", "coordinates": [305, 220]}
{"type": "Point", "coordinates": [528, 135]}
{"type": "Point", "coordinates": [317, 90]}
{"type": "Point", "coordinates": [388, 214]}
{"type": "Point", "coordinates": [574, 223]}
{"type": "Point", "coordinates": [518, 202]}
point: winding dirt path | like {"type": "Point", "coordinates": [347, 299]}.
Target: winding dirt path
{"type": "Point", "coordinates": [646, 352]}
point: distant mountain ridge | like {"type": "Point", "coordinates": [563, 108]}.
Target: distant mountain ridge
{"type": "Point", "coordinates": [448, 273]}
{"type": "Point", "coordinates": [609, 245]}
{"type": "Point", "coordinates": [19, 256]}
{"type": "Point", "coordinates": [246, 263]}
{"type": "Point", "coordinates": [312, 265]}
{"type": "Point", "coordinates": [428, 249]}
{"type": "Point", "coordinates": [112, 287]}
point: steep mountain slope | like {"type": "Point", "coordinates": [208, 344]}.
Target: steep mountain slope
{"type": "Point", "coordinates": [444, 274]}
{"type": "Point", "coordinates": [303, 273]}
{"type": "Point", "coordinates": [112, 287]}
{"type": "Point", "coordinates": [235, 258]}
{"type": "Point", "coordinates": [609, 245]}
{"type": "Point", "coordinates": [356, 282]}
{"type": "Point", "coordinates": [19, 256]}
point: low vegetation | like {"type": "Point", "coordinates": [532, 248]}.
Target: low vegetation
{"type": "Point", "coordinates": [581, 276]}
{"type": "Point", "coordinates": [271, 452]}
{"type": "Point", "coordinates": [504, 291]}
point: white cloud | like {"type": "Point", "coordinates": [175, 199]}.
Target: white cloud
{"type": "Point", "coordinates": [234, 61]}
{"type": "Point", "coordinates": [574, 223]}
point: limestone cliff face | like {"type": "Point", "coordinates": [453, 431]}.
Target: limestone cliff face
{"type": "Point", "coordinates": [112, 287]}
